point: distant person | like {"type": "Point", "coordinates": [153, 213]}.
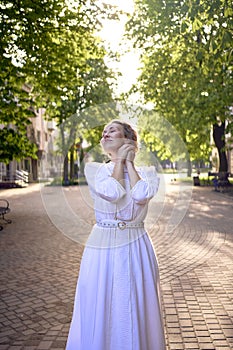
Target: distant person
{"type": "Point", "coordinates": [216, 183]}
{"type": "Point", "coordinates": [117, 302]}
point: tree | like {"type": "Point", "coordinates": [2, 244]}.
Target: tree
{"type": "Point", "coordinates": [187, 67]}
{"type": "Point", "coordinates": [46, 45]}
{"type": "Point", "coordinates": [83, 116]}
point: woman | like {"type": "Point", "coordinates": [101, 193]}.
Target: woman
{"type": "Point", "coordinates": [117, 304]}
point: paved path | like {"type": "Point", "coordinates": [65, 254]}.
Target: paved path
{"type": "Point", "coordinates": [39, 268]}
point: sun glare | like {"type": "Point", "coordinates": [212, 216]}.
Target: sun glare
{"type": "Point", "coordinates": [113, 35]}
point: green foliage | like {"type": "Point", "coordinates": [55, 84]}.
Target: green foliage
{"type": "Point", "coordinates": [84, 125]}
{"type": "Point", "coordinates": [15, 145]}
{"type": "Point", "coordinates": [46, 52]}
{"type": "Point", "coordinates": [90, 107]}
{"type": "Point", "coordinates": [187, 65]}
{"type": "Point", "coordinates": [83, 116]}
{"type": "Point", "coordinates": [161, 138]}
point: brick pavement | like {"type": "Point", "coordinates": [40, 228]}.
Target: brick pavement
{"type": "Point", "coordinates": [39, 269]}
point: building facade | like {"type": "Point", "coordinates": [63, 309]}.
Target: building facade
{"type": "Point", "coordinates": [39, 132]}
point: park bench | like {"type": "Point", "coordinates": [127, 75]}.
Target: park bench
{"type": "Point", "coordinates": [4, 209]}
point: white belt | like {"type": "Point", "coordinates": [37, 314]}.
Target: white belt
{"type": "Point", "coordinates": [119, 224]}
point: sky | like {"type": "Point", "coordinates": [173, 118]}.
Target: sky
{"type": "Point", "coordinates": [112, 33]}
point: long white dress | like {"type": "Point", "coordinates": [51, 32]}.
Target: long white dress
{"type": "Point", "coordinates": [117, 304]}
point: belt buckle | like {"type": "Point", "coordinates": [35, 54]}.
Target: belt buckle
{"type": "Point", "coordinates": [121, 225]}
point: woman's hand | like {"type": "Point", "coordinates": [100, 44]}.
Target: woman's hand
{"type": "Point", "coordinates": [131, 152]}
{"type": "Point", "coordinates": [131, 155]}
{"type": "Point", "coordinates": [125, 157]}
{"type": "Point", "coordinates": [126, 153]}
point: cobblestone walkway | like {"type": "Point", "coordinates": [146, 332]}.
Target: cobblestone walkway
{"type": "Point", "coordinates": [39, 270]}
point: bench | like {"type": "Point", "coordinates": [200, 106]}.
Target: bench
{"type": "Point", "coordinates": [4, 209]}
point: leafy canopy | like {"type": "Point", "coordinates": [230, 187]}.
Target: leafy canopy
{"type": "Point", "coordinates": [46, 48]}
{"type": "Point", "coordinates": [187, 64]}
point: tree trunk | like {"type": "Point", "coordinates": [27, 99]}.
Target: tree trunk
{"type": "Point", "coordinates": [219, 140]}
{"type": "Point", "coordinates": [189, 165]}
{"type": "Point", "coordinates": [81, 158]}
{"type": "Point", "coordinates": [72, 163]}
{"type": "Point", "coordinates": [66, 171]}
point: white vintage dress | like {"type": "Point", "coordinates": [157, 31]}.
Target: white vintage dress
{"type": "Point", "coordinates": [117, 304]}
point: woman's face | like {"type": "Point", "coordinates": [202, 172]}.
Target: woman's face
{"type": "Point", "coordinates": [112, 138]}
